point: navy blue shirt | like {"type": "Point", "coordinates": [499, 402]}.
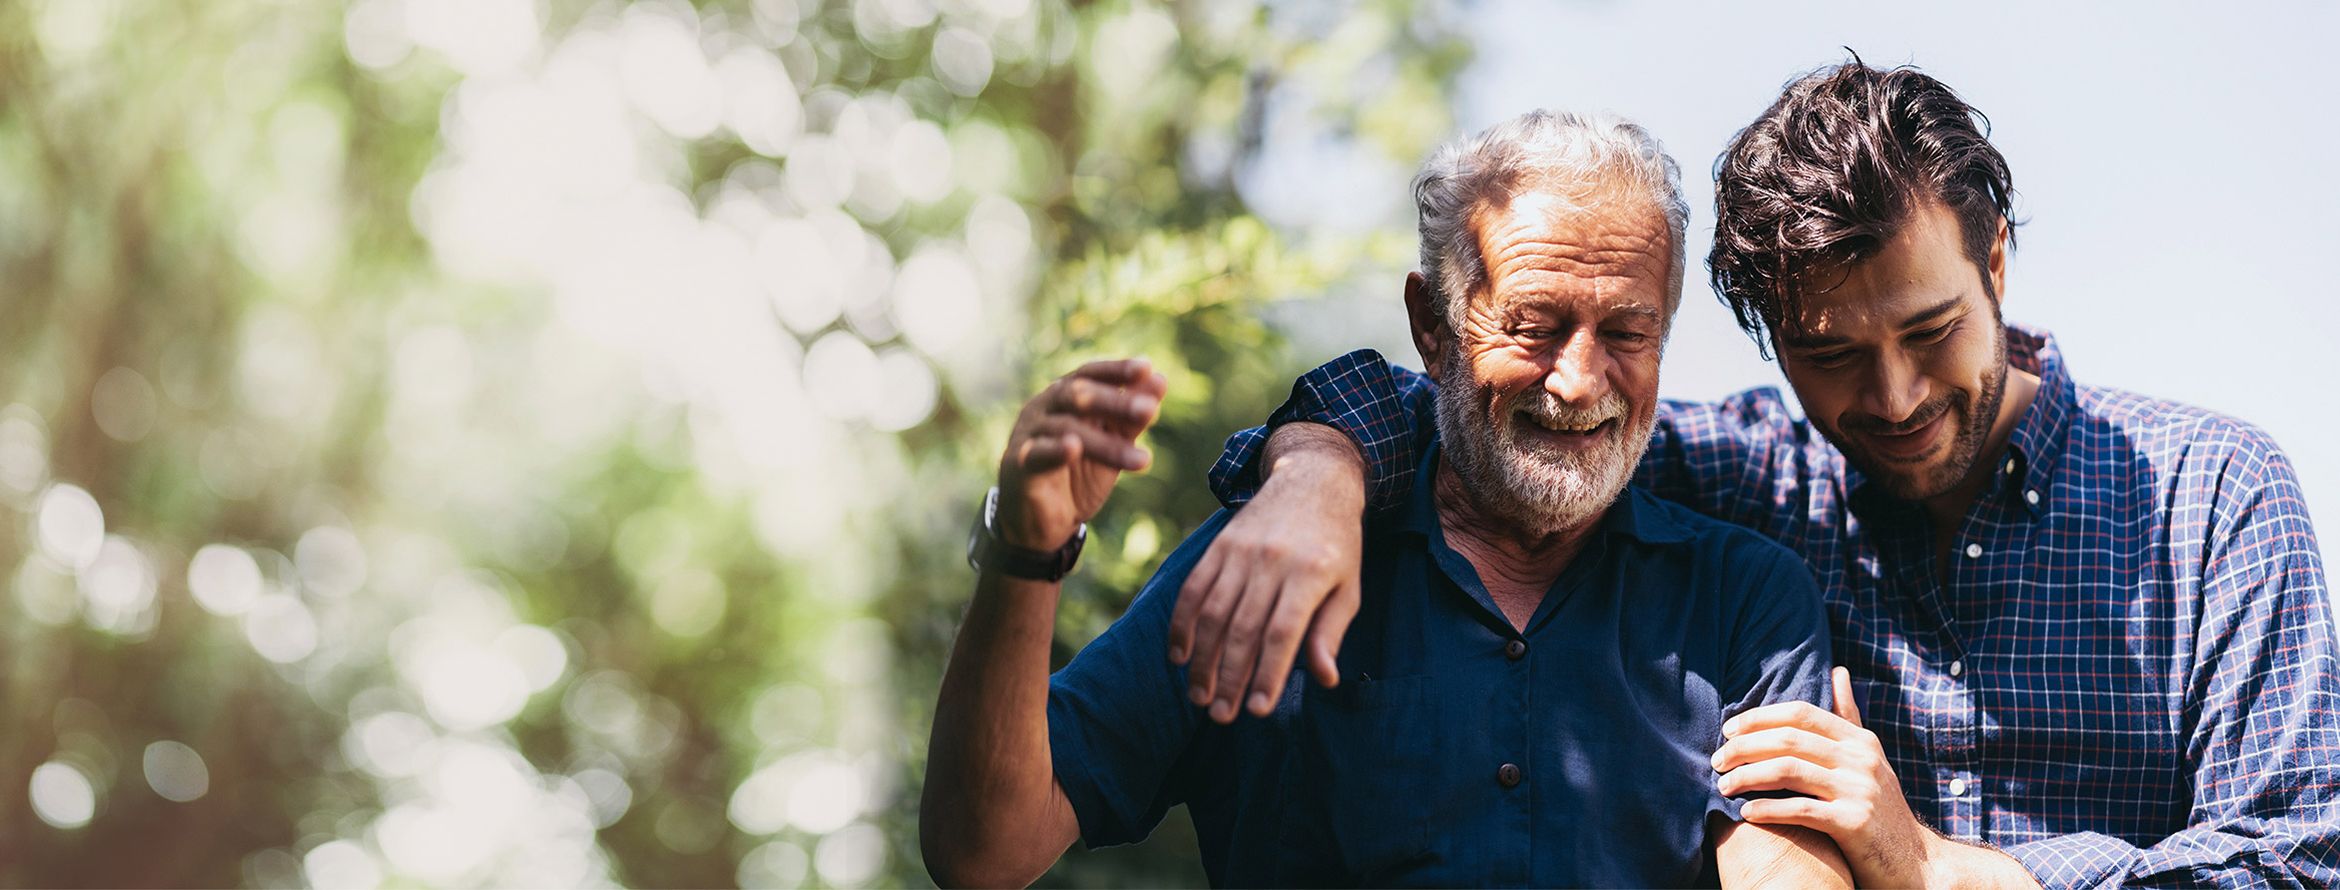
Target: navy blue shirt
{"type": "Point", "coordinates": [1458, 750]}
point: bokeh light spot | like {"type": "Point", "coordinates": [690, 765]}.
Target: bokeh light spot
{"type": "Point", "coordinates": [281, 628]}
{"type": "Point", "coordinates": [852, 856]}
{"type": "Point", "coordinates": [906, 391]}
{"type": "Point", "coordinates": [777, 864]}
{"type": "Point", "coordinates": [123, 404]}
{"type": "Point", "coordinates": [224, 580]}
{"type": "Point", "coordinates": [332, 562]}
{"type": "Point", "coordinates": [341, 865]}
{"type": "Point", "coordinates": [842, 374]}
{"type": "Point", "coordinates": [176, 772]}
{"type": "Point", "coordinates": [62, 795]}
{"type": "Point", "coordinates": [72, 528]}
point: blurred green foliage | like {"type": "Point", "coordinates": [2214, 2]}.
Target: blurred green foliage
{"type": "Point", "coordinates": [524, 444]}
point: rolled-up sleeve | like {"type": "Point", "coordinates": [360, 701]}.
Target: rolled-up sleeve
{"type": "Point", "coordinates": [2262, 731]}
{"type": "Point", "coordinates": [1119, 726]}
{"type": "Point", "coordinates": [1779, 643]}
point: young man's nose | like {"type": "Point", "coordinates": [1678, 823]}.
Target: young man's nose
{"type": "Point", "coordinates": [1893, 389]}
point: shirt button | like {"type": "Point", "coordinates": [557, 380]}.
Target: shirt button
{"type": "Point", "coordinates": [1958, 786]}
{"type": "Point", "coordinates": [2010, 465]}
{"type": "Point", "coordinates": [1974, 551]}
{"type": "Point", "coordinates": [1515, 650]}
{"type": "Point", "coordinates": [2031, 497]}
{"type": "Point", "coordinates": [1957, 667]}
{"type": "Point", "coordinates": [1508, 775]}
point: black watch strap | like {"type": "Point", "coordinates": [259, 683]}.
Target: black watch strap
{"type": "Point", "coordinates": [986, 552]}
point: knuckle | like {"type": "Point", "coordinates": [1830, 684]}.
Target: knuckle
{"type": "Point", "coordinates": [1282, 636]}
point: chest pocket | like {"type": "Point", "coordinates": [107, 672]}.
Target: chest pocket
{"type": "Point", "coordinates": [1368, 758]}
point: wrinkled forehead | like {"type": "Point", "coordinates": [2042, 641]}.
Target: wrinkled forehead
{"type": "Point", "coordinates": [1572, 241]}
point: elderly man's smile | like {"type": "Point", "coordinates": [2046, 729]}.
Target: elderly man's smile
{"type": "Point", "coordinates": [1573, 435]}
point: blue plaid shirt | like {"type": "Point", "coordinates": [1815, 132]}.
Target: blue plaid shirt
{"type": "Point", "coordinates": [2125, 675]}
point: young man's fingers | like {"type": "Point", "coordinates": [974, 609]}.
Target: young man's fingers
{"type": "Point", "coordinates": [1846, 706]}
{"type": "Point", "coordinates": [1802, 812]}
{"type": "Point", "coordinates": [1191, 595]}
{"type": "Point", "coordinates": [1799, 714]}
{"type": "Point", "coordinates": [1286, 625]}
{"type": "Point", "coordinates": [1210, 631]}
{"type": "Point", "coordinates": [1779, 741]}
{"type": "Point", "coordinates": [1780, 774]}
{"type": "Point", "coordinates": [1239, 652]}
{"type": "Point", "coordinates": [1325, 633]}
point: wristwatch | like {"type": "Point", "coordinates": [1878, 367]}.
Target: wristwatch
{"type": "Point", "coordinates": [986, 552]}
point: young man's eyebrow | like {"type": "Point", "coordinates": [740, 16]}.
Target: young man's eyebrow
{"type": "Point", "coordinates": [1930, 313]}
{"type": "Point", "coordinates": [1823, 341]}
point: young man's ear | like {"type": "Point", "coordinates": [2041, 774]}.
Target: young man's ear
{"type": "Point", "coordinates": [1427, 319]}
{"type": "Point", "coordinates": [1998, 264]}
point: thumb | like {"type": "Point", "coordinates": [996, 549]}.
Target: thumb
{"type": "Point", "coordinates": [1845, 707]}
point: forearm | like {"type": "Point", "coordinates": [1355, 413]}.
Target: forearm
{"type": "Point", "coordinates": [992, 813]}
{"type": "Point", "coordinates": [2282, 853]}
{"type": "Point", "coordinates": [1318, 456]}
{"type": "Point", "coordinates": [1747, 855]}
{"type": "Point", "coordinates": [1957, 865]}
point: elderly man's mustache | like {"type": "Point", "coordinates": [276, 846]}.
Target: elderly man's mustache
{"type": "Point", "coordinates": [1552, 412]}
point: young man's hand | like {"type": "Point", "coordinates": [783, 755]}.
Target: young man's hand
{"type": "Point", "coordinates": [1284, 569]}
{"type": "Point", "coordinates": [1849, 792]}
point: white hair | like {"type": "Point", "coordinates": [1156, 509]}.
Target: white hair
{"type": "Point", "coordinates": [1541, 149]}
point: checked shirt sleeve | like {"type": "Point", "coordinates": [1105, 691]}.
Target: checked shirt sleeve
{"type": "Point", "coordinates": [1389, 411]}
{"type": "Point", "coordinates": [2263, 734]}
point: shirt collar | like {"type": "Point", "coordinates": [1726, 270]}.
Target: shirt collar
{"type": "Point", "coordinates": [2038, 440]}
{"type": "Point", "coordinates": [2021, 472]}
{"type": "Point", "coordinates": [1635, 514]}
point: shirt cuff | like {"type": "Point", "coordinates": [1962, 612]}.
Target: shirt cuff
{"type": "Point", "coordinates": [2071, 861]}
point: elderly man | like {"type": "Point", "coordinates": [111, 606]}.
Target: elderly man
{"type": "Point", "coordinates": [1542, 658]}
{"type": "Point", "coordinates": [2089, 628]}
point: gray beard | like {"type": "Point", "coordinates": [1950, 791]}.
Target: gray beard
{"type": "Point", "coordinates": [1543, 492]}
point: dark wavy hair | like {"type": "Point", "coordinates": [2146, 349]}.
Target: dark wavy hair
{"type": "Point", "coordinates": [1833, 170]}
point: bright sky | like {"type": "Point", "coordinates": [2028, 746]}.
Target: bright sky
{"type": "Point", "coordinates": [2176, 164]}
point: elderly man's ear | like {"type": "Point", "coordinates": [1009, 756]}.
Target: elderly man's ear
{"type": "Point", "coordinates": [1427, 320]}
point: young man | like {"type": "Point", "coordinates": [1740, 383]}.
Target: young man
{"type": "Point", "coordinates": [2089, 630]}
{"type": "Point", "coordinates": [1543, 658]}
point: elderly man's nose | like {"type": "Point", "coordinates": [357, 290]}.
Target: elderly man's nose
{"type": "Point", "coordinates": [1580, 372]}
